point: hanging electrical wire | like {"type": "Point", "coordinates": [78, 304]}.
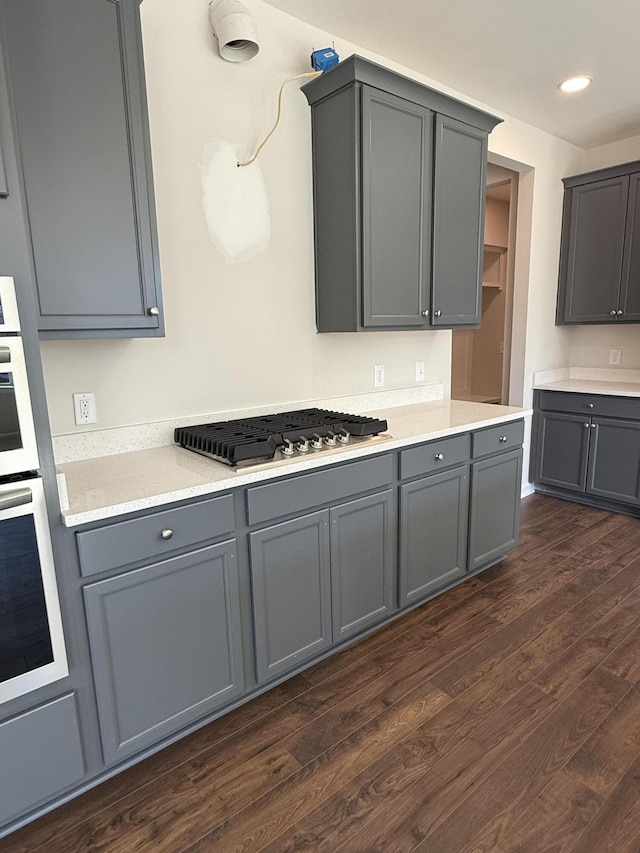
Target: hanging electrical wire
{"type": "Point", "coordinates": [271, 132]}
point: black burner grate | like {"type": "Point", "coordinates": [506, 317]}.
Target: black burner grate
{"type": "Point", "coordinates": [254, 439]}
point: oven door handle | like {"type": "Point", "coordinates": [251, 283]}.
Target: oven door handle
{"type": "Point", "coordinates": [5, 355]}
{"type": "Point", "coordinates": [9, 500]}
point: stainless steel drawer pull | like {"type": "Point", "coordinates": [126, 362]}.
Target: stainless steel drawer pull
{"type": "Point", "coordinates": [167, 534]}
{"type": "Point", "coordinates": [503, 438]}
{"type": "Point", "coordinates": [9, 500]}
{"type": "Point", "coordinates": [5, 355]}
{"type": "Point", "coordinates": [589, 405]}
{"type": "Point", "coordinates": [439, 457]}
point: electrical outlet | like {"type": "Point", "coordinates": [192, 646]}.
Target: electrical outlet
{"type": "Point", "coordinates": [378, 376]}
{"type": "Point", "coordinates": [419, 371]}
{"type": "Point", "coordinates": [615, 356]}
{"type": "Point", "coordinates": [84, 407]}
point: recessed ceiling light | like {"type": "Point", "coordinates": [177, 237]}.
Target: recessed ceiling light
{"type": "Point", "coordinates": [575, 84]}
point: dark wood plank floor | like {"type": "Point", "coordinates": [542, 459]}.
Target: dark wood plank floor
{"type": "Point", "coordinates": [502, 716]}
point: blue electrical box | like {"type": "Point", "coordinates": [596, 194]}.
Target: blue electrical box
{"type": "Point", "coordinates": [323, 60]}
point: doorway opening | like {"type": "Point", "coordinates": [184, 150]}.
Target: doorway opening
{"type": "Point", "coordinates": [481, 358]}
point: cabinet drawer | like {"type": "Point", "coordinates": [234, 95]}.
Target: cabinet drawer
{"type": "Point", "coordinates": [434, 456]}
{"type": "Point", "coordinates": [589, 404]}
{"type": "Point", "coordinates": [41, 756]}
{"type": "Point", "coordinates": [331, 485]}
{"type": "Point", "coordinates": [495, 439]}
{"type": "Point", "coordinates": [129, 542]}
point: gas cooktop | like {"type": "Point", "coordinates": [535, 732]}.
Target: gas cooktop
{"type": "Point", "coordinates": [248, 441]}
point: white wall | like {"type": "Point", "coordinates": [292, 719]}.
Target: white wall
{"type": "Point", "coordinates": [240, 335]}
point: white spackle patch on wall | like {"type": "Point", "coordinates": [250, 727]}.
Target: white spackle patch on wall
{"type": "Point", "coordinates": [235, 203]}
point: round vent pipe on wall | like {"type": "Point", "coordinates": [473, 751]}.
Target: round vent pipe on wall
{"type": "Point", "coordinates": [234, 29]}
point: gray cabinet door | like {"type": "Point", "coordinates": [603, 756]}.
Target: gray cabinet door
{"type": "Point", "coordinates": [630, 288]}
{"type": "Point", "coordinates": [458, 223]}
{"type": "Point", "coordinates": [562, 445]}
{"type": "Point", "coordinates": [397, 142]}
{"type": "Point", "coordinates": [592, 251]}
{"type": "Point", "coordinates": [165, 646]}
{"type": "Point", "coordinates": [495, 507]}
{"type": "Point", "coordinates": [291, 593]}
{"type": "Point", "coordinates": [78, 85]}
{"type": "Point", "coordinates": [614, 460]}
{"type": "Point", "coordinates": [40, 756]}
{"type": "Point", "coordinates": [363, 549]}
{"type": "Point", "coordinates": [433, 533]}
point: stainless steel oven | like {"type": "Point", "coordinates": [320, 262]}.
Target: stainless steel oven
{"type": "Point", "coordinates": [32, 651]}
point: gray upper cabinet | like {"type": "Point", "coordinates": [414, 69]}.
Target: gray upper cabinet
{"type": "Point", "coordinates": [458, 223]}
{"type": "Point", "coordinates": [399, 174]}
{"type": "Point", "coordinates": [77, 80]}
{"type": "Point", "coordinates": [599, 279]}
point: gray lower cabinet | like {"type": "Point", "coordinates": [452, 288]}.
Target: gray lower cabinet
{"type": "Point", "coordinates": [320, 579]}
{"type": "Point", "coordinates": [495, 507]}
{"type": "Point", "coordinates": [433, 533]}
{"type": "Point", "coordinates": [291, 593]}
{"type": "Point", "coordinates": [600, 252]}
{"type": "Point", "coordinates": [363, 563]}
{"type": "Point", "coordinates": [77, 80]}
{"type": "Point", "coordinates": [40, 756]}
{"type": "Point", "coordinates": [394, 163]}
{"type": "Point", "coordinates": [587, 446]}
{"type": "Point", "coordinates": [165, 645]}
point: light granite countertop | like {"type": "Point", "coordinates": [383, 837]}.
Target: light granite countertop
{"type": "Point", "coordinates": [592, 386]}
{"type": "Point", "coordinates": [109, 486]}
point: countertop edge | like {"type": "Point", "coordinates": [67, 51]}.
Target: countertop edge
{"type": "Point", "coordinates": [270, 471]}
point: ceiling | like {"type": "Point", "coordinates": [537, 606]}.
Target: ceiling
{"type": "Point", "coordinates": [509, 54]}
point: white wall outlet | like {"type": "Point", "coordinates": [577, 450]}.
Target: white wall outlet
{"type": "Point", "coordinates": [378, 375]}
{"type": "Point", "coordinates": [419, 371]}
{"type": "Point", "coordinates": [84, 408]}
{"type": "Point", "coordinates": [615, 356]}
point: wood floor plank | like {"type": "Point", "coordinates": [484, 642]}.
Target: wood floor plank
{"type": "Point", "coordinates": [553, 822]}
{"type": "Point", "coordinates": [616, 826]}
{"type": "Point", "coordinates": [604, 758]}
{"type": "Point", "coordinates": [493, 805]}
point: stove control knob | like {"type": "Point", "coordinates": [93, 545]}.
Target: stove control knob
{"type": "Point", "coordinates": [316, 441]}
{"type": "Point", "coordinates": [302, 446]}
{"type": "Point", "coordinates": [344, 436]}
{"type": "Point", "coordinates": [287, 448]}
{"type": "Point", "coordinates": [330, 439]}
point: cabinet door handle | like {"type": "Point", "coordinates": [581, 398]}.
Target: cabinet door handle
{"type": "Point", "coordinates": [619, 312]}
{"type": "Point", "coordinates": [167, 534]}
{"type": "Point", "coordinates": [586, 426]}
{"type": "Point", "coordinates": [154, 311]}
{"type": "Point", "coordinates": [503, 438]}
{"type": "Point", "coordinates": [439, 457]}
{"type": "Point", "coordinates": [593, 426]}
{"type": "Point", "coordinates": [425, 313]}
{"type": "Point", "coordinates": [613, 313]}
{"type": "Point", "coordinates": [437, 313]}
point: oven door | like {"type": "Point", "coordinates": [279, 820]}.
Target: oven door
{"type": "Point", "coordinates": [32, 651]}
{"type": "Point", "coordinates": [18, 449]}
{"type": "Point", "coordinates": [8, 307]}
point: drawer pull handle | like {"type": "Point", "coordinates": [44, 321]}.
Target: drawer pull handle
{"type": "Point", "coordinates": [589, 405]}
{"type": "Point", "coordinates": [503, 438]}
{"type": "Point", "coordinates": [439, 457]}
{"type": "Point", "coordinates": [167, 534]}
